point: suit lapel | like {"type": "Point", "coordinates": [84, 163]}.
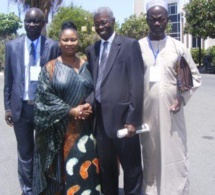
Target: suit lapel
{"type": "Point", "coordinates": [114, 50]}
{"type": "Point", "coordinates": [43, 50]}
{"type": "Point", "coordinates": [96, 61]}
{"type": "Point", "coordinates": [21, 51]}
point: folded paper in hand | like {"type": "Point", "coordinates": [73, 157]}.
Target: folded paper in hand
{"type": "Point", "coordinates": [141, 129]}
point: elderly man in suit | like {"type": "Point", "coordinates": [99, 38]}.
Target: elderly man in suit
{"type": "Point", "coordinates": [23, 60]}
{"type": "Point", "coordinates": [117, 68]}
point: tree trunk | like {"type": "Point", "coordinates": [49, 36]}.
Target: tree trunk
{"type": "Point", "coordinates": [200, 50]}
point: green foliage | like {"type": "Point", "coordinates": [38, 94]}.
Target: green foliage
{"type": "Point", "coordinates": [81, 18]}
{"type": "Point", "coordinates": [9, 24]}
{"type": "Point", "coordinates": [2, 48]}
{"type": "Point", "coordinates": [117, 26]}
{"type": "Point", "coordinates": [86, 40]}
{"type": "Point", "coordinates": [200, 17]}
{"type": "Point", "coordinates": [2, 54]}
{"type": "Point", "coordinates": [211, 51]}
{"type": "Point", "coordinates": [78, 15]}
{"type": "Point", "coordinates": [135, 27]}
{"type": "Point", "coordinates": [195, 54]}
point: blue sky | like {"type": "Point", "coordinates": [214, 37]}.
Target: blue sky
{"type": "Point", "coordinates": [122, 9]}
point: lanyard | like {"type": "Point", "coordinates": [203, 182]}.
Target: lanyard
{"type": "Point", "coordinates": [155, 53]}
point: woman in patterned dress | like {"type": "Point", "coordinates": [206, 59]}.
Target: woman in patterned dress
{"type": "Point", "coordinates": [65, 159]}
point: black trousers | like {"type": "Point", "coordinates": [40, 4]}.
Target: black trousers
{"type": "Point", "coordinates": [24, 131]}
{"type": "Point", "coordinates": [127, 150]}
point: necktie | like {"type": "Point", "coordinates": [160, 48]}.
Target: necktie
{"type": "Point", "coordinates": [102, 64]}
{"type": "Point", "coordinates": [32, 62]}
{"type": "Point", "coordinates": [32, 58]}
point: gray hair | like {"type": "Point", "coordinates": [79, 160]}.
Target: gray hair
{"type": "Point", "coordinates": [101, 10]}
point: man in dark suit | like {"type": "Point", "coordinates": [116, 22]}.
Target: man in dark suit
{"type": "Point", "coordinates": [117, 68]}
{"type": "Point", "coordinates": [23, 60]}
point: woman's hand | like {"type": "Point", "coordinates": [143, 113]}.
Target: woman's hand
{"type": "Point", "coordinates": [86, 111]}
{"type": "Point", "coordinates": [82, 111]}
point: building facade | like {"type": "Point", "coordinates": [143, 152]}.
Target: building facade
{"type": "Point", "coordinates": [177, 19]}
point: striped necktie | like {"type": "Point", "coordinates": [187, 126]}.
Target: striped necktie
{"type": "Point", "coordinates": [102, 64]}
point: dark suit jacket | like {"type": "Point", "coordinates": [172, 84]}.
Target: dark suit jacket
{"type": "Point", "coordinates": [15, 73]}
{"type": "Point", "coordinates": [122, 86]}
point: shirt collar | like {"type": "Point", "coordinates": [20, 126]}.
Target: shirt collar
{"type": "Point", "coordinates": [110, 40]}
{"type": "Point", "coordinates": [36, 42]}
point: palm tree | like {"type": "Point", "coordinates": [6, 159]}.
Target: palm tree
{"type": "Point", "coordinates": [47, 6]}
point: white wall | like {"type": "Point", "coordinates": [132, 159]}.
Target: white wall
{"type": "Point", "coordinates": [209, 42]}
{"type": "Point", "coordinates": [138, 7]}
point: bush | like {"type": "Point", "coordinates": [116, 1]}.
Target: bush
{"type": "Point", "coordinates": [86, 40]}
{"type": "Point", "coordinates": [211, 51]}
{"type": "Point", "coordinates": [195, 54]}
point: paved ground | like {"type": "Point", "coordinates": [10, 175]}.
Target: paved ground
{"type": "Point", "coordinates": [199, 112]}
{"type": "Point", "coordinates": [8, 156]}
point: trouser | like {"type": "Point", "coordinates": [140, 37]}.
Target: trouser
{"type": "Point", "coordinates": [24, 131]}
{"type": "Point", "coordinates": [127, 150]}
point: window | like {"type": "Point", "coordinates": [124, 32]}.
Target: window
{"type": "Point", "coordinates": [174, 20]}
{"type": "Point", "coordinates": [195, 42]}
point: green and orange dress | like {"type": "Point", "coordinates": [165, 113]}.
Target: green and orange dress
{"type": "Point", "coordinates": [65, 159]}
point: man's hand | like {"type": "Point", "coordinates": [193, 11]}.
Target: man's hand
{"type": "Point", "coordinates": [177, 104]}
{"type": "Point", "coordinates": [131, 130]}
{"type": "Point", "coordinates": [82, 111]}
{"type": "Point", "coordinates": [8, 118]}
{"type": "Point", "coordinates": [86, 111]}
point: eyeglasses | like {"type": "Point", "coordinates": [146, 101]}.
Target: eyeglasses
{"type": "Point", "coordinates": [102, 23]}
{"type": "Point", "coordinates": [34, 21]}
